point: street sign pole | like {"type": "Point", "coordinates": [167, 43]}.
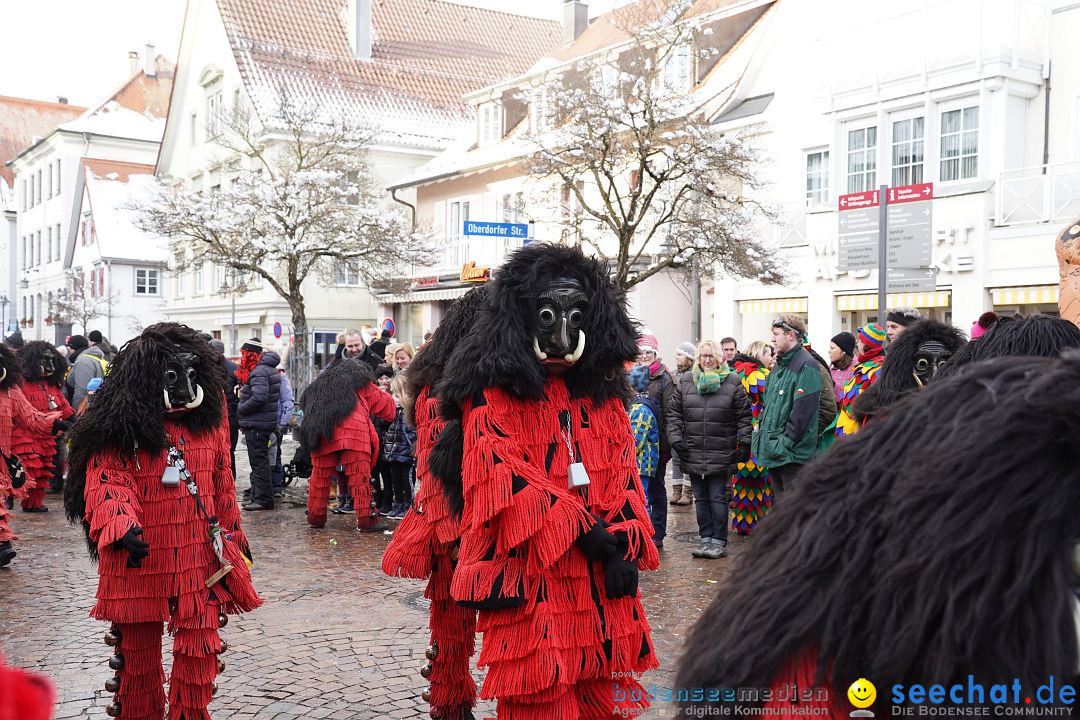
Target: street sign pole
{"type": "Point", "coordinates": [883, 254]}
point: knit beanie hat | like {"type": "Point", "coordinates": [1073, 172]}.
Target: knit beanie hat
{"type": "Point", "coordinates": [94, 336]}
{"type": "Point", "coordinates": [846, 342]}
{"type": "Point", "coordinates": [648, 342]}
{"type": "Point", "coordinates": [687, 349]}
{"type": "Point", "coordinates": [78, 342]}
{"type": "Point", "coordinates": [253, 345]}
{"type": "Point", "coordinates": [984, 323]}
{"type": "Point", "coordinates": [904, 316]}
{"type": "Point", "coordinates": [872, 335]}
{"type": "Point", "coordinates": [639, 378]}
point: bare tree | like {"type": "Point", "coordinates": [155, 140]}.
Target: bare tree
{"type": "Point", "coordinates": [304, 203]}
{"type": "Point", "coordinates": [643, 179]}
{"type": "Point", "coordinates": [79, 305]}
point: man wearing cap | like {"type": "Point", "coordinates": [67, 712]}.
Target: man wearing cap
{"type": "Point", "coordinates": [660, 390]}
{"type": "Point", "coordinates": [786, 437]}
{"type": "Point", "coordinates": [98, 340]}
{"type": "Point", "coordinates": [258, 416]}
{"type": "Point", "coordinates": [88, 363]}
{"type": "Point", "coordinates": [900, 319]}
{"type": "Point", "coordinates": [863, 375]}
{"type": "Point", "coordinates": [681, 494]}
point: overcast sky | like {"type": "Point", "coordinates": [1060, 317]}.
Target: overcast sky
{"type": "Point", "coordinates": [79, 48]}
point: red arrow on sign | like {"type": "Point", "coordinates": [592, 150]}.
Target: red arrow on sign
{"type": "Point", "coordinates": [854, 201]}
{"type": "Point", "coordinates": [911, 193]}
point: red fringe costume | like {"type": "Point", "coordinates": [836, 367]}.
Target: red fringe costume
{"type": "Point", "coordinates": [423, 547]}
{"type": "Point", "coordinates": [355, 445]}
{"type": "Point", "coordinates": [16, 412]}
{"type": "Point", "coordinates": [124, 490]}
{"type": "Point", "coordinates": [567, 651]}
{"type": "Point", "coordinates": [24, 696]}
{"type": "Point", "coordinates": [37, 450]}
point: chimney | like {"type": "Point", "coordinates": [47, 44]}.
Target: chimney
{"type": "Point", "coordinates": [575, 18]}
{"type": "Point", "coordinates": [151, 61]}
{"type": "Point", "coordinates": [358, 24]}
{"type": "Point", "coordinates": [133, 62]}
{"type": "Point", "coordinates": [62, 100]}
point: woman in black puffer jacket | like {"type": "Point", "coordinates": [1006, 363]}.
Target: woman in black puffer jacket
{"type": "Point", "coordinates": [709, 425]}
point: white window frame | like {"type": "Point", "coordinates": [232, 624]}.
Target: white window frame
{"type": "Point", "coordinates": [913, 171]}
{"type": "Point", "coordinates": [541, 114]}
{"type": "Point", "coordinates": [37, 250]}
{"type": "Point", "coordinates": [868, 173]}
{"type": "Point", "coordinates": [148, 278]}
{"type": "Point", "coordinates": [200, 278]}
{"type": "Point", "coordinates": [58, 243]}
{"type": "Point", "coordinates": [345, 276]}
{"type": "Point", "coordinates": [489, 123]}
{"type": "Point", "coordinates": [678, 70]}
{"type": "Point", "coordinates": [961, 106]}
{"type": "Point", "coordinates": [816, 194]}
{"type": "Point", "coordinates": [58, 185]}
{"type": "Point", "coordinates": [215, 107]}
{"type": "Point", "coordinates": [49, 241]}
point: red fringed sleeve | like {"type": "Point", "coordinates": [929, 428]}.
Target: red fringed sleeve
{"type": "Point", "coordinates": [112, 506]}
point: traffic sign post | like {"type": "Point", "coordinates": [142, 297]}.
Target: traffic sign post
{"type": "Point", "coordinates": [883, 256]}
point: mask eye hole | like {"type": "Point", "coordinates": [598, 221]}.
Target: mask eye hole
{"type": "Point", "coordinates": [575, 317]}
{"type": "Point", "coordinates": [170, 377]}
{"type": "Point", "coordinates": [191, 373]}
{"type": "Point", "coordinates": [547, 316]}
{"type": "Point", "coordinates": [922, 364]}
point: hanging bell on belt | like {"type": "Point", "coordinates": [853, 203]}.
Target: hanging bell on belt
{"type": "Point", "coordinates": [113, 684]}
{"type": "Point", "coordinates": [425, 671]}
{"type": "Point", "coordinates": [112, 638]}
{"type": "Point", "coordinates": [222, 619]}
{"type": "Point", "coordinates": [116, 662]}
{"type": "Point", "coordinates": [113, 709]}
{"type": "Point", "coordinates": [432, 651]}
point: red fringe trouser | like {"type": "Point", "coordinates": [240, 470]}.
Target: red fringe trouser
{"type": "Point", "coordinates": [453, 630]}
{"type": "Point", "coordinates": [195, 664]}
{"type": "Point", "coordinates": [585, 700]}
{"type": "Point", "coordinates": [358, 474]}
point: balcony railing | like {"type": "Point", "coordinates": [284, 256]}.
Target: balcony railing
{"type": "Point", "coordinates": [1044, 193]}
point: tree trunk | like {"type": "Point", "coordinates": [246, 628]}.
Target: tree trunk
{"type": "Point", "coordinates": [300, 367]}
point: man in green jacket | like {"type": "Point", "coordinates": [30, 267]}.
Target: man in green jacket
{"type": "Point", "coordinates": [787, 434]}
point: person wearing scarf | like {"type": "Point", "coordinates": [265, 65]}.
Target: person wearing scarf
{"type": "Point", "coordinates": [863, 375]}
{"type": "Point", "coordinates": [709, 425]}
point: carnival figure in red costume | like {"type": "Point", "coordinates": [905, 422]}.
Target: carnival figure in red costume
{"type": "Point", "coordinates": [426, 542]}
{"type": "Point", "coordinates": [150, 480]}
{"type": "Point", "coordinates": [553, 526]}
{"type": "Point", "coordinates": [24, 696]}
{"type": "Point", "coordinates": [16, 412]}
{"type": "Point", "coordinates": [339, 436]}
{"type": "Point", "coordinates": [45, 369]}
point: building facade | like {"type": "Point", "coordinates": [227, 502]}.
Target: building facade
{"type": "Point", "coordinates": [955, 93]}
{"type": "Point", "coordinates": [399, 68]}
{"type": "Point", "coordinates": [48, 184]}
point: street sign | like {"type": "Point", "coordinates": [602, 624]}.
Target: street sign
{"type": "Point", "coordinates": [494, 229]}
{"type": "Point", "coordinates": [277, 330]}
{"type": "Point", "coordinates": [911, 193]}
{"type": "Point", "coordinates": [858, 235]}
{"type": "Point", "coordinates": [855, 201]}
{"type": "Point", "coordinates": [908, 280]}
{"type": "Point", "coordinates": [910, 223]}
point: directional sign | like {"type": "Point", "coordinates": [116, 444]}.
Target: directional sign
{"type": "Point", "coordinates": [911, 193]}
{"type": "Point", "coordinates": [496, 229]}
{"type": "Point", "coordinates": [858, 238]}
{"type": "Point", "coordinates": [909, 242]}
{"type": "Point", "coordinates": [855, 201]}
{"type": "Point", "coordinates": [911, 280]}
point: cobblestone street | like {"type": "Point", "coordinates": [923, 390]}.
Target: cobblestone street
{"type": "Point", "coordinates": [335, 637]}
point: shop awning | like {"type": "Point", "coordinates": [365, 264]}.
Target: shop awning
{"type": "Point", "coordinates": [1033, 295]}
{"type": "Point", "coordinates": [241, 319]}
{"type": "Point", "coordinates": [424, 296]}
{"type": "Point", "coordinates": [868, 301]}
{"type": "Point", "coordinates": [775, 305]}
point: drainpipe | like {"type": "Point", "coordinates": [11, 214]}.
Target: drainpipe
{"type": "Point", "coordinates": [1046, 121]}
{"type": "Point", "coordinates": [412, 208]}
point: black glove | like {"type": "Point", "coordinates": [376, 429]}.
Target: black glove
{"type": "Point", "coordinates": [60, 426]}
{"type": "Point", "coordinates": [742, 452]}
{"type": "Point", "coordinates": [136, 548]}
{"type": "Point", "coordinates": [620, 578]}
{"type": "Point", "coordinates": [597, 543]}
{"type": "Point", "coordinates": [680, 449]}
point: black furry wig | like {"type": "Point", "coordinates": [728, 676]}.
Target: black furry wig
{"type": "Point", "coordinates": [31, 355]}
{"type": "Point", "coordinates": [1025, 336]}
{"type": "Point", "coordinates": [129, 408]}
{"type": "Point", "coordinates": [331, 399]}
{"type": "Point", "coordinates": [12, 367]}
{"type": "Point", "coordinates": [934, 544]}
{"type": "Point", "coordinates": [897, 377]}
{"type": "Point", "coordinates": [498, 352]}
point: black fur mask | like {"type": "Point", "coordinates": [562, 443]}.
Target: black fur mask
{"type": "Point", "coordinates": [331, 399]}
{"type": "Point", "coordinates": [931, 545]}
{"type": "Point", "coordinates": [500, 349]}
{"type": "Point", "coordinates": [129, 408]}
{"type": "Point", "coordinates": [1030, 336]}
{"type": "Point", "coordinates": [36, 356]}
{"type": "Point", "coordinates": [11, 369]}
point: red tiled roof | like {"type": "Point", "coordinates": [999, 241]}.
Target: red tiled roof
{"type": "Point", "coordinates": [116, 169]}
{"type": "Point", "coordinates": [146, 94]}
{"type": "Point", "coordinates": [426, 54]}
{"type": "Point", "coordinates": [21, 120]}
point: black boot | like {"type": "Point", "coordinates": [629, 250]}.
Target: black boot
{"type": "Point", "coordinates": [7, 553]}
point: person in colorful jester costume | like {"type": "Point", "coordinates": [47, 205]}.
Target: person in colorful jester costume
{"type": "Point", "coordinates": [339, 436]}
{"type": "Point", "coordinates": [43, 388]}
{"type": "Point", "coordinates": [867, 365]}
{"type": "Point", "coordinates": [16, 412]}
{"type": "Point", "coordinates": [150, 480]}
{"type": "Point", "coordinates": [554, 526]}
{"type": "Point", "coordinates": [752, 491]}
{"type": "Point", "coordinates": [426, 542]}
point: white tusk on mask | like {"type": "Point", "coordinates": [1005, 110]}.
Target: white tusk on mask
{"type": "Point", "coordinates": [579, 350]}
{"type": "Point", "coordinates": [198, 398]}
{"type": "Point", "coordinates": [168, 405]}
{"type": "Point", "coordinates": [3, 374]}
{"type": "Point", "coordinates": [536, 349]}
